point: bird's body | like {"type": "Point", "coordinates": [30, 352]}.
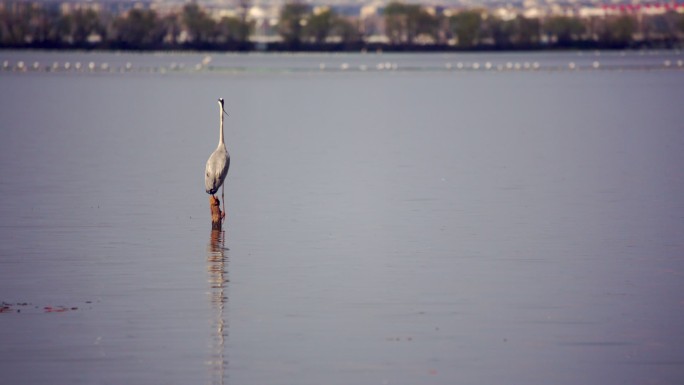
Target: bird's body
{"type": "Point", "coordinates": [216, 170]}
{"type": "Point", "coordinates": [218, 163]}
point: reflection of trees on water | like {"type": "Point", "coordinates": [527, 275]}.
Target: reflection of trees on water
{"type": "Point", "coordinates": [217, 261]}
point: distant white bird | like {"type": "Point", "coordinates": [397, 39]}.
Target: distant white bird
{"type": "Point", "coordinates": [217, 165]}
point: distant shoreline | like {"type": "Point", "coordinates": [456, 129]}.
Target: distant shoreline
{"type": "Point", "coordinates": [302, 27]}
{"type": "Point", "coordinates": [340, 47]}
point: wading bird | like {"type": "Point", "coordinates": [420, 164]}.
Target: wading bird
{"type": "Point", "coordinates": [217, 165]}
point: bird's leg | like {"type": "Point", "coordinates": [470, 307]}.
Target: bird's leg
{"type": "Point", "coordinates": [223, 214]}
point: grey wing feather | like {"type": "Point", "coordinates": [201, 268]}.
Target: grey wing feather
{"type": "Point", "coordinates": [216, 170]}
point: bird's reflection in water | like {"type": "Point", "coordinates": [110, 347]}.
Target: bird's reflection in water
{"type": "Point", "coordinates": [217, 263]}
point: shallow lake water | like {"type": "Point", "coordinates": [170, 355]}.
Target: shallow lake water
{"type": "Point", "coordinates": [392, 219]}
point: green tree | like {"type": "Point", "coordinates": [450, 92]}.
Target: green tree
{"type": "Point", "coordinates": [320, 25]}
{"type": "Point", "coordinates": [518, 32]}
{"type": "Point", "coordinates": [170, 27]}
{"type": "Point", "coordinates": [405, 22]}
{"type": "Point", "coordinates": [663, 27]}
{"type": "Point", "coordinates": [14, 24]}
{"type": "Point", "coordinates": [501, 31]}
{"type": "Point", "coordinates": [395, 22]}
{"type": "Point", "coordinates": [84, 23]}
{"type": "Point", "coordinates": [619, 31]}
{"type": "Point", "coordinates": [200, 27]}
{"type": "Point", "coordinates": [28, 23]}
{"type": "Point", "coordinates": [422, 23]}
{"type": "Point", "coordinates": [564, 29]}
{"type": "Point", "coordinates": [43, 26]}
{"type": "Point", "coordinates": [139, 28]}
{"type": "Point", "coordinates": [246, 27]}
{"type": "Point", "coordinates": [64, 27]}
{"type": "Point", "coordinates": [228, 30]}
{"type": "Point", "coordinates": [293, 18]}
{"type": "Point", "coordinates": [347, 31]}
{"type": "Point", "coordinates": [527, 31]}
{"type": "Point", "coordinates": [466, 26]}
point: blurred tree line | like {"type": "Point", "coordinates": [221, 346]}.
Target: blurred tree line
{"type": "Point", "coordinates": [302, 27]}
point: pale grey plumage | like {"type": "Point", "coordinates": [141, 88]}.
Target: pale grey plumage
{"type": "Point", "coordinates": [219, 161]}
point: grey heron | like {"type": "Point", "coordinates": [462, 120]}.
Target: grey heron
{"type": "Point", "coordinates": [217, 165]}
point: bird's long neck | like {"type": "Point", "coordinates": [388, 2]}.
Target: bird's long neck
{"type": "Point", "coordinates": [221, 127]}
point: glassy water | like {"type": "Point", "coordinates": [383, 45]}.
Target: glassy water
{"type": "Point", "coordinates": [395, 225]}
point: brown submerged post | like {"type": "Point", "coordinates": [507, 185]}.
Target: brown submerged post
{"type": "Point", "coordinates": [216, 214]}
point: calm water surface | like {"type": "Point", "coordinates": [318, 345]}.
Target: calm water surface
{"type": "Point", "coordinates": [421, 225]}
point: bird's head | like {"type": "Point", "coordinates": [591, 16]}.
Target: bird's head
{"type": "Point", "coordinates": [220, 102]}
